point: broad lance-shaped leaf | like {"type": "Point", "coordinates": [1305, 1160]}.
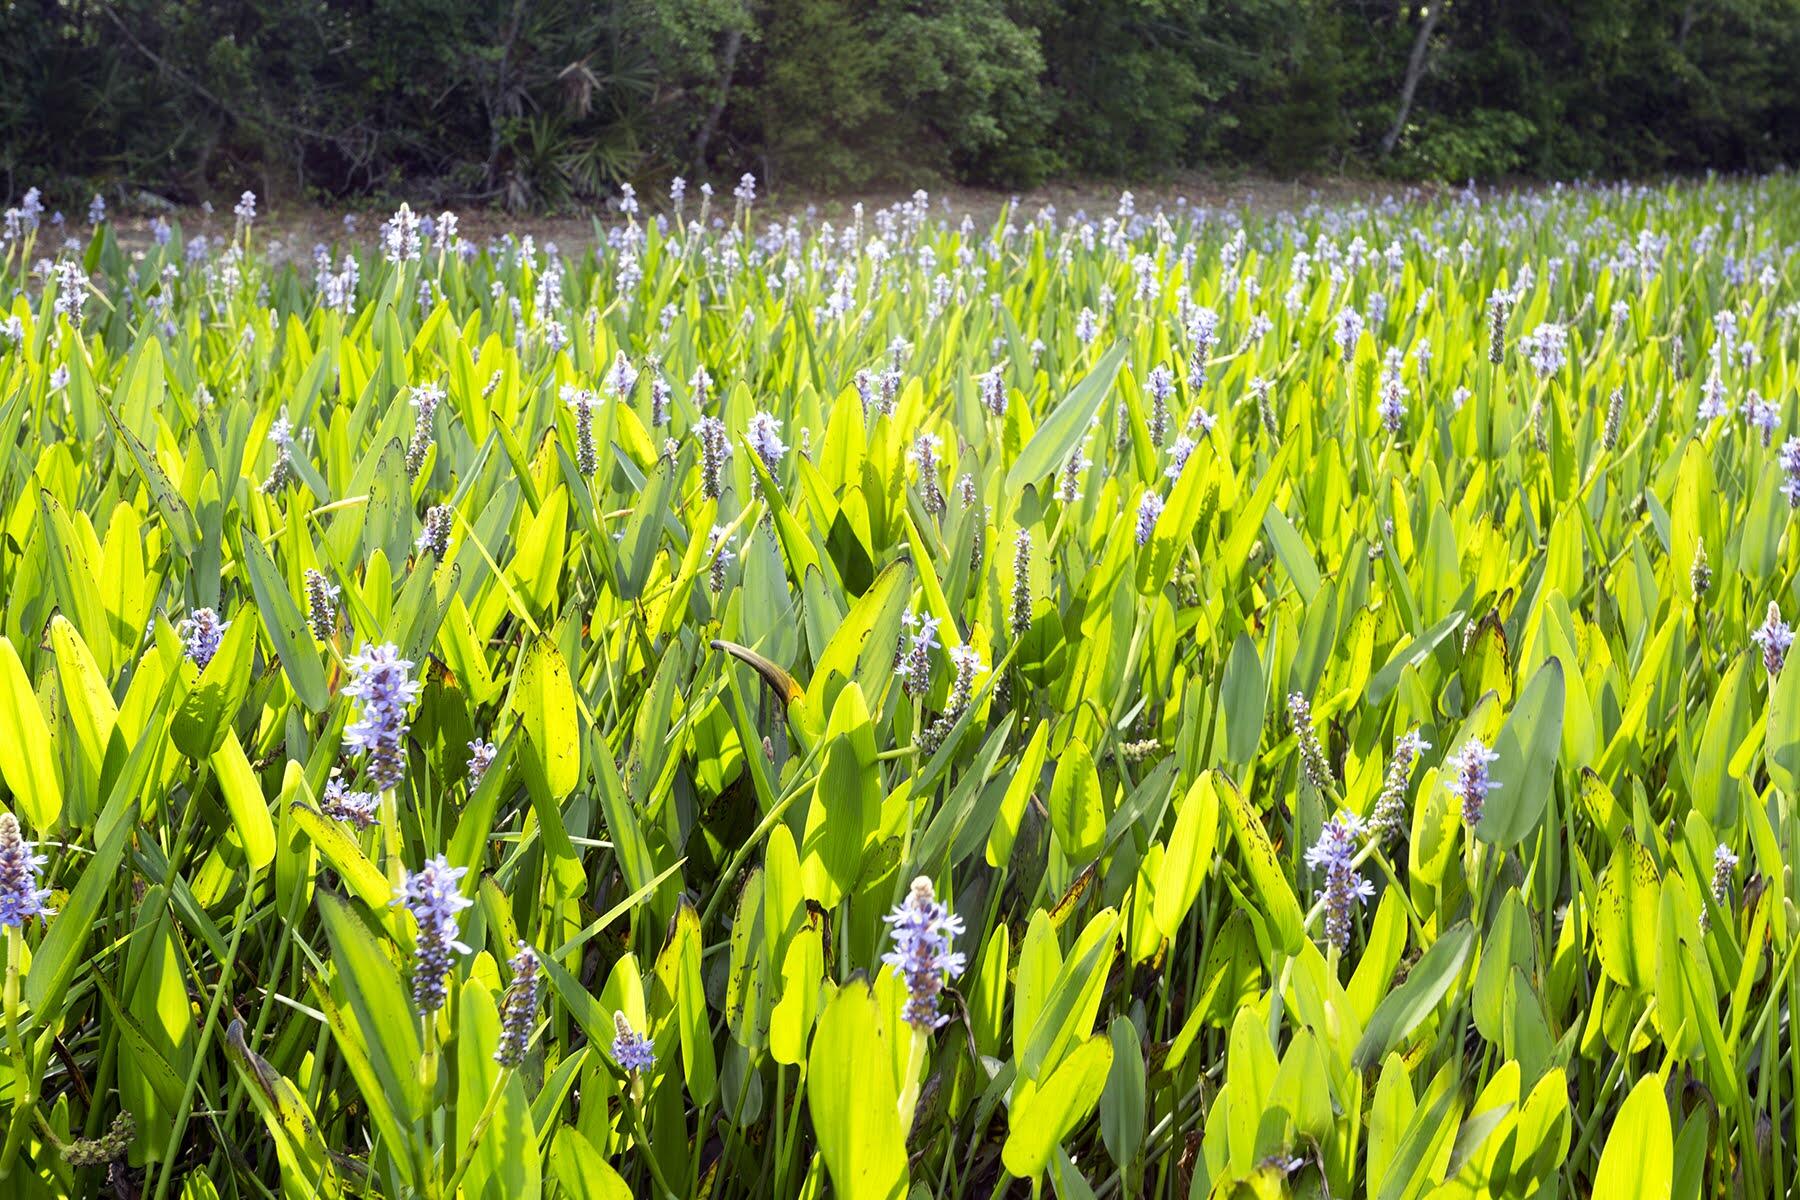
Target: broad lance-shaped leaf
{"type": "Point", "coordinates": [1625, 916]}
{"type": "Point", "coordinates": [1122, 1104]}
{"type": "Point", "coordinates": [306, 1165]}
{"type": "Point", "coordinates": [1174, 528]}
{"type": "Point", "coordinates": [245, 801]}
{"type": "Point", "coordinates": [852, 1099]}
{"type": "Point", "coordinates": [1063, 430]}
{"type": "Point", "coordinates": [1389, 1117]}
{"type": "Point", "coordinates": [285, 623]}
{"type": "Point", "coordinates": [1043, 1115]}
{"type": "Point", "coordinates": [581, 1171]}
{"type": "Point", "coordinates": [545, 700]}
{"type": "Point", "coordinates": [1025, 777]}
{"type": "Point", "coordinates": [1639, 1160]}
{"type": "Point", "coordinates": [1076, 812]}
{"type": "Point", "coordinates": [1190, 854]}
{"type": "Point", "coordinates": [1245, 700]}
{"type": "Point", "coordinates": [1280, 909]}
{"type": "Point", "coordinates": [212, 703]}
{"type": "Point", "coordinates": [1407, 1006]}
{"type": "Point", "coordinates": [390, 526]}
{"type": "Point", "coordinates": [504, 1162]}
{"type": "Point", "coordinates": [1410, 655]}
{"type": "Point", "coordinates": [89, 702]}
{"type": "Point", "coordinates": [1784, 727]}
{"type": "Point", "coordinates": [1528, 747]}
{"type": "Point", "coordinates": [61, 952]}
{"type": "Point", "coordinates": [697, 1062]}
{"type": "Point", "coordinates": [846, 803]}
{"type": "Point", "coordinates": [26, 765]}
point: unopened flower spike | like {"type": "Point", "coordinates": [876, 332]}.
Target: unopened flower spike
{"type": "Point", "coordinates": [1312, 755]}
{"type": "Point", "coordinates": [518, 1010]}
{"type": "Point", "coordinates": [1724, 866]}
{"type": "Point", "coordinates": [1389, 814]}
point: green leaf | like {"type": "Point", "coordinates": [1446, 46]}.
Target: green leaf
{"type": "Point", "coordinates": [544, 698]}
{"type": "Point", "coordinates": [502, 1157]}
{"type": "Point", "coordinates": [1407, 1006]}
{"type": "Point", "coordinates": [1042, 1116]}
{"type": "Point", "coordinates": [1189, 856]}
{"type": "Point", "coordinates": [245, 802]}
{"type": "Point", "coordinates": [1625, 916]}
{"type": "Point", "coordinates": [1064, 428]}
{"type": "Point", "coordinates": [1280, 908]}
{"type": "Point", "coordinates": [1389, 1117]}
{"type": "Point", "coordinates": [212, 704]}
{"type": "Point", "coordinates": [26, 765]}
{"type": "Point", "coordinates": [1412, 654]}
{"type": "Point", "coordinates": [63, 949]}
{"type": "Point", "coordinates": [1245, 700]}
{"type": "Point", "coordinates": [846, 803]}
{"type": "Point", "coordinates": [285, 624]}
{"type": "Point", "coordinates": [1639, 1160]}
{"type": "Point", "coordinates": [306, 1165]}
{"type": "Point", "coordinates": [1077, 813]}
{"type": "Point", "coordinates": [854, 1109]}
{"type": "Point", "coordinates": [581, 1172]}
{"type": "Point", "coordinates": [384, 1020]}
{"type": "Point", "coordinates": [690, 1009]}
{"type": "Point", "coordinates": [1784, 728]}
{"type": "Point", "coordinates": [354, 870]}
{"type": "Point", "coordinates": [1296, 558]}
{"type": "Point", "coordinates": [1019, 788]}
{"type": "Point", "coordinates": [1528, 747]}
{"type": "Point", "coordinates": [1122, 1103]}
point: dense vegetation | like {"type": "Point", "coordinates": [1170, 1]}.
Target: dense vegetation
{"type": "Point", "coordinates": [1194, 704]}
{"type": "Point", "coordinates": [552, 103]}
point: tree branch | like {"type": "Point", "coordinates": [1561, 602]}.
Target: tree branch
{"type": "Point", "coordinates": [1415, 68]}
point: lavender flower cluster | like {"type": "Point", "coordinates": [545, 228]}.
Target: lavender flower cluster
{"type": "Point", "coordinates": [433, 895]}
{"type": "Point", "coordinates": [924, 954]}
{"type": "Point", "coordinates": [381, 683]}
{"type": "Point", "coordinates": [21, 899]}
{"type": "Point", "coordinates": [201, 632]}
{"type": "Point", "coordinates": [1335, 854]}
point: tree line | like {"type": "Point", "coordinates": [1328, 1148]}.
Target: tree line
{"type": "Point", "coordinates": [547, 104]}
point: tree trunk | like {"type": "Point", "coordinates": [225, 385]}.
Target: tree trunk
{"type": "Point", "coordinates": [1415, 68]}
{"type": "Point", "coordinates": [734, 42]}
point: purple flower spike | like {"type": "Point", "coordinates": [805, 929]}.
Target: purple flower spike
{"type": "Point", "coordinates": [1335, 853]}
{"type": "Point", "coordinates": [380, 681]}
{"type": "Point", "coordinates": [923, 932]}
{"type": "Point", "coordinates": [1774, 636]}
{"type": "Point", "coordinates": [433, 894]}
{"type": "Point", "coordinates": [20, 896]}
{"type": "Point", "coordinates": [631, 1049]}
{"type": "Point", "coordinates": [1470, 782]}
{"type": "Point", "coordinates": [519, 1009]}
{"type": "Point", "coordinates": [202, 631]}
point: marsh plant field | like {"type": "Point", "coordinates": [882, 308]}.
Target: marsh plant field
{"type": "Point", "coordinates": [1182, 703]}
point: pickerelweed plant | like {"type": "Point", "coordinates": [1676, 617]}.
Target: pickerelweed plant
{"type": "Point", "coordinates": [1161, 701]}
